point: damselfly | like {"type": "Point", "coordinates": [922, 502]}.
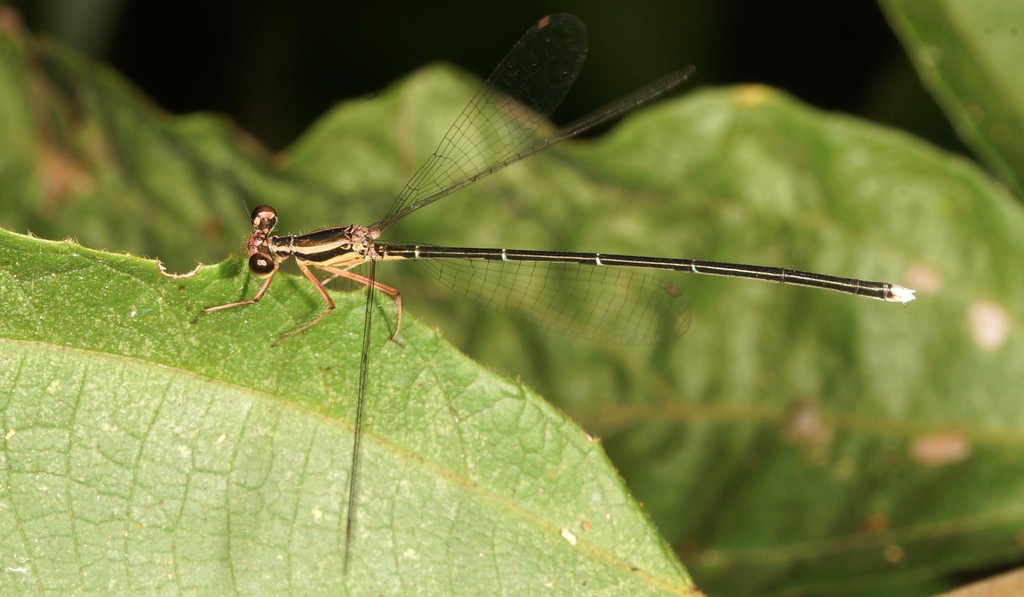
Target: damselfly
{"type": "Point", "coordinates": [501, 125]}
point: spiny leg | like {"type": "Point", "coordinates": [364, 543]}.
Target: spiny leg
{"type": "Point", "coordinates": [319, 288]}
{"type": "Point", "coordinates": [393, 292]}
{"type": "Point", "coordinates": [252, 301]}
{"type": "Point", "coordinates": [388, 290]}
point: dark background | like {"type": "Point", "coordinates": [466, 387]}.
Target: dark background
{"type": "Point", "coordinates": [277, 66]}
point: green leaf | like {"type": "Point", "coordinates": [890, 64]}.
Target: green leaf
{"type": "Point", "coordinates": [968, 53]}
{"type": "Point", "coordinates": [794, 440]}
{"type": "Point", "coordinates": [144, 452]}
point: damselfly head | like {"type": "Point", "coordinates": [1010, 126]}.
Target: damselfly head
{"type": "Point", "coordinates": [261, 261]}
{"type": "Point", "coordinates": [264, 218]}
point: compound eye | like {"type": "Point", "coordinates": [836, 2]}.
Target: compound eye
{"type": "Point", "coordinates": [263, 217]}
{"type": "Point", "coordinates": [261, 265]}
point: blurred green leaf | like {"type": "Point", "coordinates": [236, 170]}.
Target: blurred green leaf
{"type": "Point", "coordinates": [968, 53]}
{"type": "Point", "coordinates": [794, 440]}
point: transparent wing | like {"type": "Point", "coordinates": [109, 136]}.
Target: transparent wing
{"type": "Point", "coordinates": [607, 304]}
{"type": "Point", "coordinates": [500, 124]}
